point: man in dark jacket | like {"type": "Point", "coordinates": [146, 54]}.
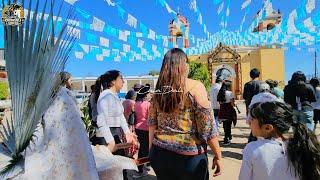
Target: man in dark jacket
{"type": "Point", "coordinates": [251, 88]}
{"type": "Point", "coordinates": [300, 95]}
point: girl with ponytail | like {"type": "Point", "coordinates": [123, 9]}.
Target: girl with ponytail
{"type": "Point", "coordinates": [111, 122]}
{"type": "Point", "coordinates": [285, 149]}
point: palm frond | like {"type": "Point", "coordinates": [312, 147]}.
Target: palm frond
{"type": "Point", "coordinates": [35, 54]}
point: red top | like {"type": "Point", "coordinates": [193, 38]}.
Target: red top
{"type": "Point", "coordinates": [128, 106]}
{"type": "Point", "coordinates": [142, 113]}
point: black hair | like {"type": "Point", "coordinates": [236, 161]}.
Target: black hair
{"type": "Point", "coordinates": [130, 94]}
{"type": "Point", "coordinates": [105, 81]}
{"type": "Point", "coordinates": [254, 73]}
{"type": "Point", "coordinates": [314, 82]}
{"type": "Point", "coordinates": [92, 87]}
{"type": "Point", "coordinates": [303, 147]}
{"type": "Point", "coordinates": [218, 80]}
{"type": "Point", "coordinates": [298, 82]}
{"type": "Point", "coordinates": [298, 77]}
{"type": "Point", "coordinates": [142, 93]}
{"type": "Point", "coordinates": [271, 83]}
{"type": "Point", "coordinates": [64, 76]}
{"type": "Point", "coordinates": [226, 86]}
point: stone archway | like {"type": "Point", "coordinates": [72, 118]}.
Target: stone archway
{"type": "Point", "coordinates": [214, 59]}
{"type": "Point", "coordinates": [224, 71]}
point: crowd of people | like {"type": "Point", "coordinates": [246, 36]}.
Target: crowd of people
{"type": "Point", "coordinates": [171, 131]}
{"type": "Point", "coordinates": [282, 143]}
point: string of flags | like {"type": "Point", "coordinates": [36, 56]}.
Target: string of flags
{"type": "Point", "coordinates": [99, 40]}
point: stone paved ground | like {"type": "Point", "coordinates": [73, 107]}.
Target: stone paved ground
{"type": "Point", "coordinates": [232, 154]}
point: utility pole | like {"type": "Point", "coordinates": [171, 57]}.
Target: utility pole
{"type": "Point", "coordinates": [315, 64]}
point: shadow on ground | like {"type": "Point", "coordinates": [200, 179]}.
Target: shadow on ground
{"type": "Point", "coordinates": [245, 136]}
{"type": "Point", "coordinates": [229, 154]}
{"type": "Point", "coordinates": [233, 155]}
{"type": "Point", "coordinates": [233, 145]}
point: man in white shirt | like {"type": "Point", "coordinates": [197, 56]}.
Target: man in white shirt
{"type": "Point", "coordinates": [214, 93]}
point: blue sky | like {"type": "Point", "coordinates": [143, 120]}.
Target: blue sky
{"type": "Point", "coordinates": [156, 17]}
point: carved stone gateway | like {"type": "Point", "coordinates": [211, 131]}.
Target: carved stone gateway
{"type": "Point", "coordinates": [227, 57]}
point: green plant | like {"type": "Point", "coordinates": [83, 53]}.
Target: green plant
{"type": "Point", "coordinates": [4, 90]}
{"type": "Point", "coordinates": [35, 53]}
{"type": "Point", "coordinates": [154, 73]}
{"type": "Point", "coordinates": [199, 71]}
{"type": "Point", "coordinates": [87, 121]}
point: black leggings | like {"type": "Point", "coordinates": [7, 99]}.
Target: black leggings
{"type": "Point", "coordinates": [227, 129]}
{"type": "Point", "coordinates": [316, 116]}
{"type": "Point", "coordinates": [143, 137]}
{"type": "Point", "coordinates": [169, 165]}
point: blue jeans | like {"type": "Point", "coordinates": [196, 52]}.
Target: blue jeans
{"type": "Point", "coordinates": [305, 116]}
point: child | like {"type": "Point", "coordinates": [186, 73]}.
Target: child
{"type": "Point", "coordinates": [285, 149]}
{"type": "Point", "coordinates": [226, 99]}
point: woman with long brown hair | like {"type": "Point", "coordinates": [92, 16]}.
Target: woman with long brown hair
{"type": "Point", "coordinates": [181, 124]}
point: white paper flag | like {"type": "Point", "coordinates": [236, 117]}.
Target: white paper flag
{"type": "Point", "coordinates": [151, 35]}
{"type": "Point", "coordinates": [123, 54]}
{"type": "Point", "coordinates": [106, 52]}
{"type": "Point", "coordinates": [138, 34]}
{"type": "Point", "coordinates": [79, 55]}
{"type": "Point", "coordinates": [311, 4]}
{"type": "Point", "coordinates": [71, 1]}
{"type": "Point", "coordinates": [228, 12]}
{"type": "Point", "coordinates": [97, 24]}
{"type": "Point", "coordinates": [126, 48]}
{"type": "Point", "coordinates": [122, 36]}
{"type": "Point", "coordinates": [117, 59]}
{"type": "Point", "coordinates": [132, 21]}
{"type": "Point", "coordinates": [193, 5]}
{"type": "Point", "coordinates": [140, 43]}
{"type": "Point", "coordinates": [110, 3]}
{"type": "Point", "coordinates": [291, 26]}
{"type": "Point", "coordinates": [74, 32]}
{"type": "Point", "coordinates": [154, 48]}
{"type": "Point", "coordinates": [169, 9]}
{"type": "Point", "coordinates": [104, 42]}
{"type": "Point", "coordinates": [127, 32]}
{"type": "Point", "coordinates": [220, 8]}
{"type": "Point", "coordinates": [137, 56]}
{"type": "Point", "coordinates": [200, 19]}
{"type": "Point", "coordinates": [99, 57]}
{"type": "Point", "coordinates": [165, 42]}
{"type": "Point", "coordinates": [144, 52]}
{"type": "Point", "coordinates": [309, 24]}
{"type": "Point", "coordinates": [73, 22]}
{"type": "Point", "coordinates": [85, 47]}
{"type": "Point", "coordinates": [245, 4]}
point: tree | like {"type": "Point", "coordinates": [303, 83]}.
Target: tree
{"type": "Point", "coordinates": [199, 71]}
{"type": "Point", "coordinates": [4, 90]}
{"type": "Point", "coordinates": [153, 73]}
